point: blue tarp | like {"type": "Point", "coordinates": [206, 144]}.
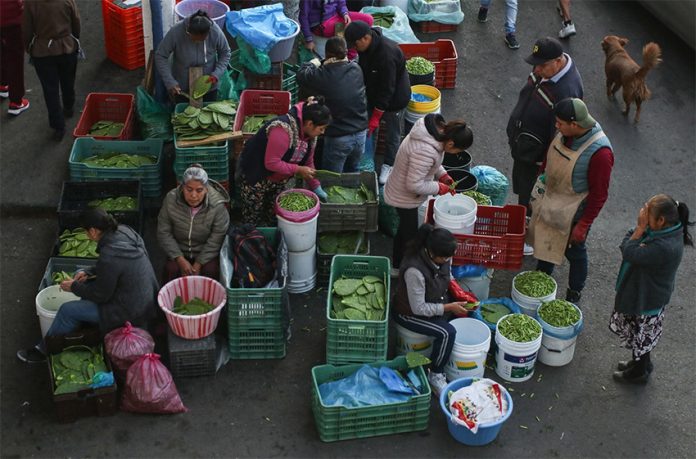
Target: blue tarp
{"type": "Point", "coordinates": [262, 27]}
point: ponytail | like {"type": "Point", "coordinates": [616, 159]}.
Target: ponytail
{"type": "Point", "coordinates": [199, 23]}
{"type": "Point", "coordinates": [316, 111]}
{"type": "Point", "coordinates": [457, 131]}
{"type": "Point", "coordinates": [438, 241]}
{"type": "Point", "coordinates": [683, 212]}
{"type": "Point", "coordinates": [100, 219]}
{"type": "Point", "coordinates": [673, 212]}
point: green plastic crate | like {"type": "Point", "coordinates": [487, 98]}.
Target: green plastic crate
{"type": "Point", "coordinates": [357, 341]}
{"type": "Point", "coordinates": [341, 423]}
{"type": "Point", "coordinates": [324, 262]}
{"type": "Point", "coordinates": [256, 343]}
{"type": "Point", "coordinates": [290, 81]}
{"type": "Point", "coordinates": [350, 217]}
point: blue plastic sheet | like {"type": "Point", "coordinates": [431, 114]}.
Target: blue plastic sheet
{"type": "Point", "coordinates": [492, 183]}
{"type": "Point", "coordinates": [262, 27]}
{"type": "Point", "coordinates": [362, 388]}
{"type": "Point", "coordinates": [459, 271]}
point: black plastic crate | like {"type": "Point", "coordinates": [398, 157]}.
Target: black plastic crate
{"type": "Point", "coordinates": [75, 196]}
{"type": "Point", "coordinates": [66, 264]}
{"type": "Point", "coordinates": [189, 358]}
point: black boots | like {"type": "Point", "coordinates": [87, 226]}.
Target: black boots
{"type": "Point", "coordinates": [573, 296]}
{"type": "Point", "coordinates": [634, 371]}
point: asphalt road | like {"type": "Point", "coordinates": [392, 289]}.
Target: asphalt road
{"type": "Point", "coordinates": [262, 408]}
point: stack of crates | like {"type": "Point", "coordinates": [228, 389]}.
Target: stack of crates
{"type": "Point", "coordinates": [123, 33]}
{"type": "Point", "coordinates": [258, 102]}
{"type": "Point", "coordinates": [190, 358]}
{"type": "Point", "coordinates": [256, 317]}
{"type": "Point", "coordinates": [282, 77]}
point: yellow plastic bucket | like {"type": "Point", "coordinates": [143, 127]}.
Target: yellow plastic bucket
{"type": "Point", "coordinates": [425, 107]}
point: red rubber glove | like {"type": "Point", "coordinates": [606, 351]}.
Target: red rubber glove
{"type": "Point", "coordinates": [212, 79]}
{"type": "Point", "coordinates": [374, 121]}
{"type": "Point", "coordinates": [444, 189]}
{"type": "Point", "coordinates": [579, 232]}
{"type": "Point", "coordinates": [457, 293]}
{"type": "Point", "coordinates": [446, 179]}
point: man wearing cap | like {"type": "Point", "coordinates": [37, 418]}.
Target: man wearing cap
{"type": "Point", "coordinates": [570, 193]}
{"type": "Point", "coordinates": [532, 125]}
{"type": "Point", "coordinates": [387, 86]}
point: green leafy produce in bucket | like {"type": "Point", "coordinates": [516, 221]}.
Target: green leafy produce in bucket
{"type": "Point", "coordinates": [359, 299]}
{"type": "Point", "coordinates": [74, 368]}
{"type": "Point", "coordinates": [535, 284]}
{"type": "Point", "coordinates": [75, 243]}
{"type": "Point", "coordinates": [519, 328]}
{"type": "Point", "coordinates": [559, 313]}
{"type": "Point", "coordinates": [480, 198]}
{"type": "Point", "coordinates": [419, 66]}
{"type": "Point", "coordinates": [114, 204]}
{"type": "Point", "coordinates": [195, 307]}
{"type": "Point", "coordinates": [296, 202]}
{"type": "Point", "coordinates": [493, 312]}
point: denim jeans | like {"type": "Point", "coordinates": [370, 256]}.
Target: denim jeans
{"type": "Point", "coordinates": [393, 122]}
{"type": "Point", "coordinates": [342, 154]}
{"type": "Point", "coordinates": [576, 254]}
{"type": "Point", "coordinates": [510, 13]}
{"type": "Point", "coordinates": [70, 316]}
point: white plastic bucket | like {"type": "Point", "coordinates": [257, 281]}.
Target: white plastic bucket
{"type": "Point", "coordinates": [283, 48]}
{"type": "Point", "coordinates": [299, 237]}
{"type": "Point", "coordinates": [408, 341]}
{"type": "Point", "coordinates": [558, 343]}
{"type": "Point", "coordinates": [468, 357]}
{"type": "Point", "coordinates": [528, 304]}
{"type": "Point", "coordinates": [479, 285]}
{"type": "Point", "coordinates": [48, 302]}
{"type": "Point", "coordinates": [302, 267]}
{"type": "Point", "coordinates": [455, 213]}
{"type": "Point", "coordinates": [423, 209]}
{"type": "Point", "coordinates": [515, 361]}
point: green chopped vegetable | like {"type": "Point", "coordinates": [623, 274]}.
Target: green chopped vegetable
{"type": "Point", "coordinates": [419, 66]}
{"type": "Point", "coordinates": [480, 198]}
{"type": "Point", "coordinates": [115, 204]}
{"type": "Point", "coordinates": [559, 313]}
{"type": "Point", "coordinates": [195, 307]}
{"type": "Point", "coordinates": [297, 202]}
{"type": "Point", "coordinates": [75, 243]}
{"type": "Point", "coordinates": [519, 328]}
{"type": "Point", "coordinates": [535, 284]}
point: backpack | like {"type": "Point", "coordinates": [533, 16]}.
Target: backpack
{"type": "Point", "coordinates": [253, 258]}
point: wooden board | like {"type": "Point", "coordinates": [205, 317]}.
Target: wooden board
{"type": "Point", "coordinates": [194, 73]}
{"type": "Point", "coordinates": [149, 79]}
{"type": "Point", "coordinates": [211, 139]}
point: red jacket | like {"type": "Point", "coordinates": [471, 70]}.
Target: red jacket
{"type": "Point", "coordinates": [11, 12]}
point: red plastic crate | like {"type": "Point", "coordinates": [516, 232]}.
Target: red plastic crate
{"type": "Point", "coordinates": [442, 53]}
{"type": "Point", "coordinates": [258, 102]}
{"type": "Point", "coordinates": [106, 107]}
{"type": "Point", "coordinates": [498, 239]}
{"type": "Point", "coordinates": [123, 35]}
{"type": "Point", "coordinates": [435, 27]}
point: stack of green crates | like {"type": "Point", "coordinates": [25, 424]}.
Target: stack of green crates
{"type": "Point", "coordinates": [357, 341]}
{"type": "Point", "coordinates": [290, 81]}
{"type": "Point", "coordinates": [255, 315]}
{"type": "Point", "coordinates": [150, 176]}
{"type": "Point", "coordinates": [215, 159]}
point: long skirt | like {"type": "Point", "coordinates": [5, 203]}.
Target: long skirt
{"type": "Point", "coordinates": [637, 332]}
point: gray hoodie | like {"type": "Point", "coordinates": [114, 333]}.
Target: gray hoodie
{"type": "Point", "coordinates": [125, 287]}
{"type": "Point", "coordinates": [213, 55]}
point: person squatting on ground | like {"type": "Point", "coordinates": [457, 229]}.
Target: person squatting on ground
{"type": "Point", "coordinates": [192, 225]}
{"type": "Point", "coordinates": [341, 83]}
{"type": "Point", "coordinates": [510, 20]}
{"type": "Point", "coordinates": [121, 288]}
{"type": "Point", "coordinates": [387, 85]}
{"type": "Point", "coordinates": [12, 56]}
{"type": "Point", "coordinates": [418, 172]}
{"type": "Point", "coordinates": [570, 193]}
{"type": "Point", "coordinates": [280, 149]}
{"type": "Point", "coordinates": [651, 254]}
{"type": "Point", "coordinates": [51, 33]}
{"type": "Point", "coordinates": [194, 42]}
{"type": "Point", "coordinates": [426, 295]}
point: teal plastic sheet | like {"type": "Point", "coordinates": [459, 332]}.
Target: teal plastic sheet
{"type": "Point", "coordinates": [492, 183]}
{"type": "Point", "coordinates": [154, 118]}
{"type": "Point", "coordinates": [400, 31]}
{"type": "Point", "coordinates": [362, 388]}
{"type": "Point", "coordinates": [442, 11]}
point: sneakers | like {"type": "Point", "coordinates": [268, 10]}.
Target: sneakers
{"type": "Point", "coordinates": [4, 91]}
{"type": "Point", "coordinates": [511, 41]}
{"type": "Point", "coordinates": [384, 174]}
{"type": "Point", "coordinates": [528, 250]}
{"type": "Point", "coordinates": [568, 30]}
{"type": "Point", "coordinates": [483, 14]}
{"type": "Point", "coordinates": [394, 273]}
{"type": "Point", "coordinates": [16, 109]}
{"type": "Point", "coordinates": [437, 381]}
{"type": "Point", "coordinates": [31, 355]}
{"type": "Point", "coordinates": [573, 296]}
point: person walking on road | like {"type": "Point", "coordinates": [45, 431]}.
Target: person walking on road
{"type": "Point", "coordinates": [12, 55]}
{"type": "Point", "coordinates": [387, 85]}
{"type": "Point", "coordinates": [568, 29]}
{"type": "Point", "coordinates": [651, 254]}
{"type": "Point", "coordinates": [342, 85]}
{"type": "Point", "coordinates": [570, 193]}
{"type": "Point", "coordinates": [510, 20]}
{"type": "Point", "coordinates": [51, 33]}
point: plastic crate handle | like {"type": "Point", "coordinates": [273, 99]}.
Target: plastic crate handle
{"type": "Point", "coordinates": [356, 327]}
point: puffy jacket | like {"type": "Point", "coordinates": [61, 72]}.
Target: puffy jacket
{"type": "Point", "coordinates": [50, 28]}
{"type": "Point", "coordinates": [386, 79]}
{"type": "Point", "coordinates": [417, 166]}
{"type": "Point", "coordinates": [125, 287]}
{"type": "Point", "coordinates": [198, 237]}
{"type": "Point", "coordinates": [11, 12]}
{"type": "Point", "coordinates": [342, 85]}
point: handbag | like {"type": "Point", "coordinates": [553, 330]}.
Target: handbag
{"type": "Point", "coordinates": [526, 147]}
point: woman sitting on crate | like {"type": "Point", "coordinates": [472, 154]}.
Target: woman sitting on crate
{"type": "Point", "coordinates": [418, 172]}
{"type": "Point", "coordinates": [192, 224]}
{"type": "Point", "coordinates": [319, 17]}
{"type": "Point", "coordinates": [280, 149]}
{"type": "Point", "coordinates": [194, 42]}
{"type": "Point", "coordinates": [425, 292]}
{"type": "Point", "coordinates": [123, 287]}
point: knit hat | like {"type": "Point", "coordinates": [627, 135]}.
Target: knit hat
{"type": "Point", "coordinates": [545, 49]}
{"type": "Point", "coordinates": [355, 31]}
{"type": "Point", "coordinates": [571, 109]}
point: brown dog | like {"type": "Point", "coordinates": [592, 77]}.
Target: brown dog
{"type": "Point", "coordinates": [622, 71]}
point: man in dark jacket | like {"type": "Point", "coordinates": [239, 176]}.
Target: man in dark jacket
{"type": "Point", "coordinates": [387, 85]}
{"type": "Point", "coordinates": [341, 84]}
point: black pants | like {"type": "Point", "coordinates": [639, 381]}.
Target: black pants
{"type": "Point", "coordinates": [408, 228]}
{"type": "Point", "coordinates": [524, 176]}
{"type": "Point", "coordinates": [57, 76]}
{"type": "Point", "coordinates": [12, 61]}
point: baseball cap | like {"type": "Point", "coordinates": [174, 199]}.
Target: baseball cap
{"type": "Point", "coordinates": [355, 31]}
{"type": "Point", "coordinates": [572, 109]}
{"type": "Point", "coordinates": [545, 49]}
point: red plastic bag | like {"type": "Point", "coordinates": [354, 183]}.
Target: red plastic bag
{"type": "Point", "coordinates": [150, 388]}
{"type": "Point", "coordinates": [126, 344]}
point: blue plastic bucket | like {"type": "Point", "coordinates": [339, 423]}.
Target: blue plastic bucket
{"type": "Point", "coordinates": [486, 432]}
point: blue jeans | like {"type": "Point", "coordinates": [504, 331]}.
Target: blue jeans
{"type": "Point", "coordinates": [437, 327]}
{"type": "Point", "coordinates": [576, 254]}
{"type": "Point", "coordinates": [342, 154]}
{"type": "Point", "coordinates": [70, 316]}
{"type": "Point", "coordinates": [510, 13]}
{"type": "Point", "coordinates": [392, 123]}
